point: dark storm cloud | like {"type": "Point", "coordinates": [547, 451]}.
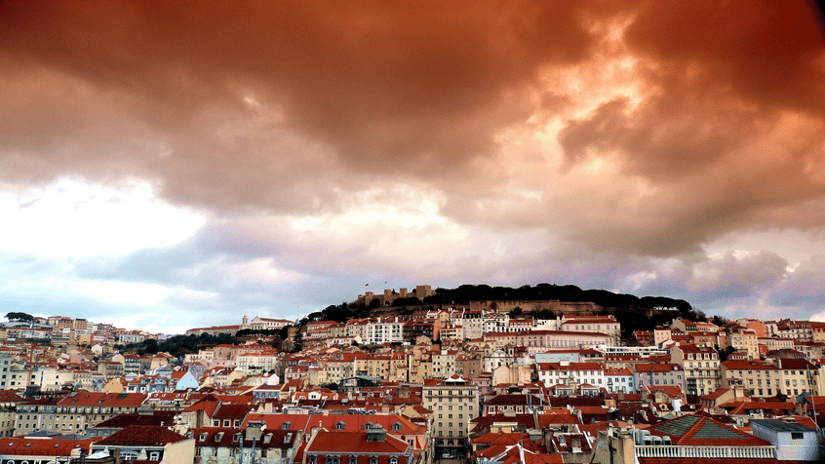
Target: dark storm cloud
{"type": "Point", "coordinates": [569, 141]}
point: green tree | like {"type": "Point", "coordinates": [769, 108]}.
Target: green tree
{"type": "Point", "coordinates": [150, 345]}
{"type": "Point", "coordinates": [297, 342]}
{"type": "Point", "coordinates": [19, 317]}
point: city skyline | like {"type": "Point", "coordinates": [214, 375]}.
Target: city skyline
{"type": "Point", "coordinates": [174, 165]}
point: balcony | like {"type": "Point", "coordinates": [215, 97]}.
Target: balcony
{"type": "Point", "coordinates": [708, 452]}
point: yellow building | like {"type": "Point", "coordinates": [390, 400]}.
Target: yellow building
{"type": "Point", "coordinates": [759, 378]}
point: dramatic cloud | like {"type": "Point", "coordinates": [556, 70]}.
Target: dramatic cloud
{"type": "Point", "coordinates": [204, 159]}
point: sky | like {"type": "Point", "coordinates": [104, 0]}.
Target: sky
{"type": "Point", "coordinates": [168, 165]}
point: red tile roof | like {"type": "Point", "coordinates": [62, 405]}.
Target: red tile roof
{"type": "Point", "coordinates": [85, 398]}
{"type": "Point", "coordinates": [125, 420]}
{"type": "Point", "coordinates": [346, 443]}
{"type": "Point", "coordinates": [142, 435]}
{"type": "Point", "coordinates": [22, 446]}
{"type": "Point", "coordinates": [694, 430]}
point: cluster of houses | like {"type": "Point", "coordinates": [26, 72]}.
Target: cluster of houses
{"type": "Point", "coordinates": [454, 385]}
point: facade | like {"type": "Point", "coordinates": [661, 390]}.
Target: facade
{"type": "Point", "coordinates": [75, 413]}
{"type": "Point", "coordinates": [454, 402]}
{"type": "Point", "coordinates": [372, 446]}
{"type": "Point", "coordinates": [701, 368]}
{"type": "Point", "coordinates": [566, 372]}
{"type": "Point", "coordinates": [793, 441]}
{"type": "Point", "coordinates": [147, 442]}
{"type": "Point", "coordinates": [759, 378]}
{"type": "Point", "coordinates": [607, 325]}
{"type": "Point", "coordinates": [685, 439]}
{"type": "Point", "coordinates": [620, 380]}
{"type": "Point", "coordinates": [385, 331]}
{"type": "Point", "coordinates": [263, 323]}
{"type": "Point", "coordinates": [537, 340]}
{"type": "Point", "coordinates": [797, 377]}
{"type": "Point", "coordinates": [42, 450]}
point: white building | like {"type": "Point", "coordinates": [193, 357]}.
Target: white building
{"type": "Point", "coordinates": [793, 441]}
{"type": "Point", "coordinates": [620, 380]}
{"type": "Point", "coordinates": [387, 330]}
{"type": "Point", "coordinates": [560, 373]}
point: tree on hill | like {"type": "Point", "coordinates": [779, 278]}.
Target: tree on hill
{"type": "Point", "coordinates": [464, 294]}
{"type": "Point", "coordinates": [19, 317]}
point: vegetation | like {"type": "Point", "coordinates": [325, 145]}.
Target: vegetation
{"type": "Point", "coordinates": [19, 317]}
{"type": "Point", "coordinates": [570, 293]}
{"type": "Point", "coordinates": [179, 345]}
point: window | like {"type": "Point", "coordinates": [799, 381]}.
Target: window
{"type": "Point", "coordinates": [796, 435]}
{"type": "Point", "coordinates": [353, 460]}
{"type": "Point", "coordinates": [340, 426]}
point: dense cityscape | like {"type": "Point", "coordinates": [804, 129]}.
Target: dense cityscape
{"type": "Point", "coordinates": [412, 232]}
{"type": "Point", "coordinates": [493, 381]}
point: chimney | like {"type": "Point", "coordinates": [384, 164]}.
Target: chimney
{"type": "Point", "coordinates": [376, 433]}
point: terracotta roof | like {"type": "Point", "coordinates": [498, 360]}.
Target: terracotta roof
{"type": "Point", "coordinates": [345, 443]}
{"type": "Point", "coordinates": [513, 399]}
{"type": "Point", "coordinates": [515, 455]}
{"type": "Point", "coordinates": [85, 398]}
{"type": "Point", "coordinates": [226, 437]}
{"type": "Point", "coordinates": [650, 367]}
{"type": "Point", "coordinates": [232, 411]}
{"type": "Point", "coordinates": [22, 446]}
{"type": "Point", "coordinates": [142, 435]}
{"type": "Point", "coordinates": [748, 365]}
{"type": "Point", "coordinates": [125, 420]}
{"type": "Point", "coordinates": [694, 430]}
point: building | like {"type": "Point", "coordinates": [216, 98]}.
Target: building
{"type": "Point", "coordinates": [387, 330]}
{"type": "Point", "coordinates": [76, 412]}
{"type": "Point", "coordinates": [759, 378]}
{"type": "Point", "coordinates": [656, 375]}
{"type": "Point", "coordinates": [607, 325]}
{"type": "Point", "coordinates": [148, 442]}
{"type": "Point", "coordinates": [215, 330]}
{"type": "Point", "coordinates": [372, 446]}
{"type": "Point", "coordinates": [797, 377]}
{"type": "Point", "coordinates": [685, 439]}
{"type": "Point", "coordinates": [589, 373]}
{"type": "Point", "coordinates": [263, 323]}
{"type": "Point", "coordinates": [620, 380]}
{"type": "Point", "coordinates": [701, 367]}
{"type": "Point", "coordinates": [43, 449]}
{"type": "Point", "coordinates": [454, 402]}
{"type": "Point", "coordinates": [223, 445]}
{"type": "Point", "coordinates": [793, 441]}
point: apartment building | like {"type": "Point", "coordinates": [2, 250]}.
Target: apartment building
{"type": "Point", "coordinates": [564, 372]}
{"type": "Point", "coordinates": [607, 325]}
{"type": "Point", "coordinates": [759, 378]}
{"type": "Point", "coordinates": [386, 330]}
{"type": "Point", "coordinates": [701, 367]}
{"type": "Point", "coordinates": [76, 412]}
{"type": "Point", "coordinates": [454, 402]}
{"type": "Point", "coordinates": [797, 377]}
{"type": "Point", "coordinates": [745, 340]}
